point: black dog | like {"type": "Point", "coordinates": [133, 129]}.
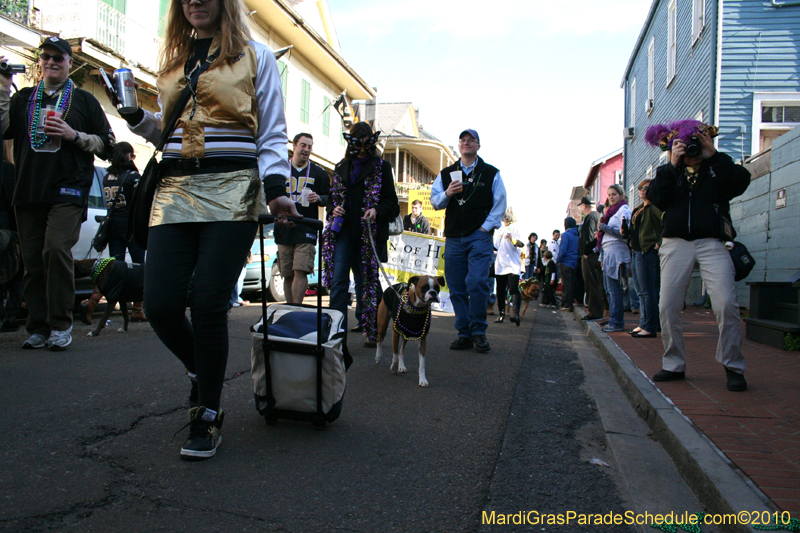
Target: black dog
{"type": "Point", "coordinates": [117, 281]}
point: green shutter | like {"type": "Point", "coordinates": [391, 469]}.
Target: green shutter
{"type": "Point", "coordinates": [326, 116]}
{"type": "Point", "coordinates": [119, 5]}
{"type": "Point", "coordinates": [284, 70]}
{"type": "Point", "coordinates": [305, 101]}
{"type": "Point", "coordinates": [163, 8]}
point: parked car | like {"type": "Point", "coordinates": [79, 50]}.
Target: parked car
{"type": "Point", "coordinates": [96, 212]}
{"type": "Point", "coordinates": [252, 279]}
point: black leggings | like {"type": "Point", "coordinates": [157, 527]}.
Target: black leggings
{"type": "Point", "coordinates": [506, 283]}
{"type": "Point", "coordinates": [210, 257]}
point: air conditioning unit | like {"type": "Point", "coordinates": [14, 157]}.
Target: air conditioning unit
{"type": "Point", "coordinates": [627, 133]}
{"type": "Point", "coordinates": [650, 104]}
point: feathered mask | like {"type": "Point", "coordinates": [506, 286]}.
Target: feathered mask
{"type": "Point", "coordinates": [354, 144]}
{"type": "Point", "coordinates": [663, 135]}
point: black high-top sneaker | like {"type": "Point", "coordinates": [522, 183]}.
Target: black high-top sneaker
{"type": "Point", "coordinates": [205, 434]}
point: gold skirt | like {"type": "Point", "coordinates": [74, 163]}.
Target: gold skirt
{"type": "Point", "coordinates": [214, 197]}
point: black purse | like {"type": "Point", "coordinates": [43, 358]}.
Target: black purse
{"type": "Point", "coordinates": [103, 235]}
{"type": "Point", "coordinates": [743, 262]}
{"type": "Point", "coordinates": [141, 204]}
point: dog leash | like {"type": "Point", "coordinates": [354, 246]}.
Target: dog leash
{"type": "Point", "coordinates": [380, 265]}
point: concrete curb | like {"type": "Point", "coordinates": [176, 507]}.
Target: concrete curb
{"type": "Point", "coordinates": [719, 486]}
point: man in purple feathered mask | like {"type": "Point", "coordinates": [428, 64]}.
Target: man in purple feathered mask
{"type": "Point", "coordinates": [694, 190]}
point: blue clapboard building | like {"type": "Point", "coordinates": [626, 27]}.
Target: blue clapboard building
{"type": "Point", "coordinates": [731, 63]}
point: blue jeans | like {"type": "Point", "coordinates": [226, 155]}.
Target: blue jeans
{"type": "Point", "coordinates": [466, 267]}
{"type": "Point", "coordinates": [529, 271]}
{"type": "Point", "coordinates": [346, 256]}
{"type": "Point", "coordinates": [614, 294]}
{"type": "Point", "coordinates": [648, 279]}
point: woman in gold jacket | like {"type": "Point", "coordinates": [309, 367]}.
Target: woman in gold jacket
{"type": "Point", "coordinates": [230, 137]}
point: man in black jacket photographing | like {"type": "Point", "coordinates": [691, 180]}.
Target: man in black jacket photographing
{"type": "Point", "coordinates": [694, 190]}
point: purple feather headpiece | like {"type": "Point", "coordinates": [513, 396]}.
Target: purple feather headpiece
{"type": "Point", "coordinates": [663, 135]}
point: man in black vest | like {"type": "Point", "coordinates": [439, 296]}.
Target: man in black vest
{"type": "Point", "coordinates": [475, 199]}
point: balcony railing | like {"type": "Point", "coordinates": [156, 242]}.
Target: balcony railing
{"type": "Point", "coordinates": [92, 19]}
{"type": "Point", "coordinates": [15, 10]}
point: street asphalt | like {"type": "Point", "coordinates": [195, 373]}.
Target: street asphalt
{"type": "Point", "coordinates": [87, 440]}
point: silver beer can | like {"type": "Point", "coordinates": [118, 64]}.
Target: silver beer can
{"type": "Point", "coordinates": [126, 90]}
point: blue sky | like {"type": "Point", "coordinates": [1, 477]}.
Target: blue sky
{"type": "Point", "coordinates": [540, 81]}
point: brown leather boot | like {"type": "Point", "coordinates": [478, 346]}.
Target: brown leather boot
{"type": "Point", "coordinates": [138, 313]}
{"type": "Point", "coordinates": [89, 305]}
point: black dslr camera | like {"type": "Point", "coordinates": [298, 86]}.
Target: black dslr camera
{"type": "Point", "coordinates": [8, 69]}
{"type": "Point", "coordinates": [693, 148]}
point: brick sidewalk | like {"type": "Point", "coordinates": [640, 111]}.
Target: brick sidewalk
{"type": "Point", "coordinates": [758, 430]}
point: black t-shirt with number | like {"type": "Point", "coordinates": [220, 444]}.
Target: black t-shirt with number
{"type": "Point", "coordinates": [65, 175]}
{"type": "Point", "coordinates": [119, 184]}
{"type": "Point", "coordinates": [313, 177]}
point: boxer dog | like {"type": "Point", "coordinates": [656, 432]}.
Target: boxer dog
{"type": "Point", "coordinates": [117, 281]}
{"type": "Point", "coordinates": [410, 313]}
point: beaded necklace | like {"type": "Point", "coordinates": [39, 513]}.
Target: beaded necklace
{"type": "Point", "coordinates": [35, 110]}
{"type": "Point", "coordinates": [402, 327]}
{"type": "Point", "coordinates": [463, 200]}
{"type": "Point", "coordinates": [99, 266]}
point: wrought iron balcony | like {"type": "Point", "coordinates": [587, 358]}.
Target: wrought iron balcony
{"type": "Point", "coordinates": [92, 19]}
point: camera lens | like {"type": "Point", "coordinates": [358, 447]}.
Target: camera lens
{"type": "Point", "coordinates": [693, 149]}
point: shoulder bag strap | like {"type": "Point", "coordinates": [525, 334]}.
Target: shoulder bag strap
{"type": "Point", "coordinates": [190, 88]}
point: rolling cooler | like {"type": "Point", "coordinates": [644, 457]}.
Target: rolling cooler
{"type": "Point", "coordinates": [299, 359]}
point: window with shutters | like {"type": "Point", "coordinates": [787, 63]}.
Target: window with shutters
{"type": "Point", "coordinates": [698, 18]}
{"type": "Point", "coordinates": [672, 41]}
{"type": "Point", "coordinates": [651, 77]}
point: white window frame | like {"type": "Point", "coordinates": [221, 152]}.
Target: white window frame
{"type": "Point", "coordinates": [649, 174]}
{"type": "Point", "coordinates": [651, 77]}
{"type": "Point", "coordinates": [698, 19]}
{"type": "Point", "coordinates": [618, 177]}
{"type": "Point", "coordinates": [672, 41]}
{"type": "Point", "coordinates": [762, 99]}
{"type": "Point", "coordinates": [662, 158]}
{"type": "Point", "coordinates": [632, 98]}
{"type": "Point", "coordinates": [699, 116]}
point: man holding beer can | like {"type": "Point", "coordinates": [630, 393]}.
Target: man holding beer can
{"type": "Point", "coordinates": [57, 130]}
{"type": "Point", "coordinates": [308, 186]}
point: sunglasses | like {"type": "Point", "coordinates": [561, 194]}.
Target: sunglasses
{"type": "Point", "coordinates": [187, 2]}
{"type": "Point", "coordinates": [47, 57]}
{"type": "Point", "coordinates": [643, 187]}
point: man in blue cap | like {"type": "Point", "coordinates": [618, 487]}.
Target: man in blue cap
{"type": "Point", "coordinates": [474, 197]}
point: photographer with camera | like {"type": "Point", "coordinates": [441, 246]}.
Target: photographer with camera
{"type": "Point", "coordinates": [694, 190]}
{"type": "Point", "coordinates": [57, 130]}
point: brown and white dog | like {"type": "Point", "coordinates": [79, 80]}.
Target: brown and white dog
{"type": "Point", "coordinates": [411, 318]}
{"type": "Point", "coordinates": [117, 281]}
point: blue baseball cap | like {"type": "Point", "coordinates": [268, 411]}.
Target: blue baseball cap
{"type": "Point", "coordinates": [473, 133]}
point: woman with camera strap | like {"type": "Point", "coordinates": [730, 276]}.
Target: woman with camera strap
{"type": "Point", "coordinates": [694, 190]}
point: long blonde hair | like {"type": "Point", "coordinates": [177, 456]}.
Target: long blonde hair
{"type": "Point", "coordinates": [179, 34]}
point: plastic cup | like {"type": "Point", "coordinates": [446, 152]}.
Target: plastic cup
{"type": "Point", "coordinates": [304, 197]}
{"type": "Point", "coordinates": [456, 176]}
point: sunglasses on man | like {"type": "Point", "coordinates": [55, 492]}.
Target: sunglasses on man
{"type": "Point", "coordinates": [44, 56]}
